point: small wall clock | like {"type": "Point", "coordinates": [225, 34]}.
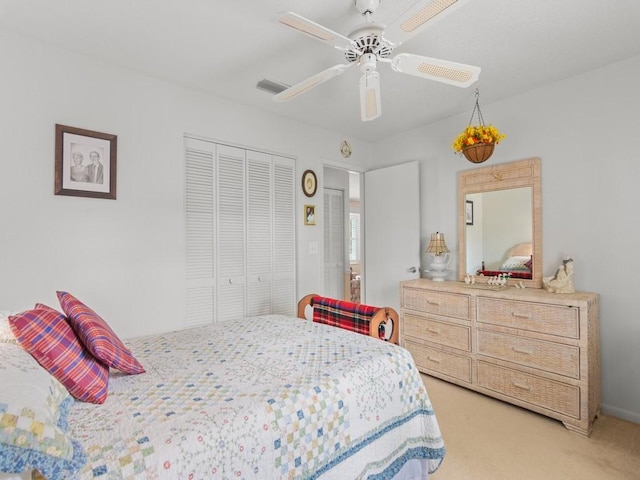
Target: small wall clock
{"type": "Point", "coordinates": [309, 183]}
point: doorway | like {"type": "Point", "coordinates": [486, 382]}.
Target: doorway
{"type": "Point", "coordinates": [343, 257]}
{"type": "Point", "coordinates": [386, 204]}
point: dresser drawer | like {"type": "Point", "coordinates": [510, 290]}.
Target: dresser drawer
{"type": "Point", "coordinates": [555, 396]}
{"type": "Point", "coordinates": [535, 317]}
{"type": "Point", "coordinates": [438, 303]}
{"type": "Point", "coordinates": [443, 333]}
{"type": "Point", "coordinates": [450, 364]}
{"type": "Point", "coordinates": [548, 356]}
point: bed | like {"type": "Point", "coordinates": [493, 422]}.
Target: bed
{"type": "Point", "coordinates": [516, 263]}
{"type": "Point", "coordinates": [263, 397]}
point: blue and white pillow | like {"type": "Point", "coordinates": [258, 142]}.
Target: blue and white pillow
{"type": "Point", "coordinates": [33, 419]}
{"type": "Point", "coordinates": [516, 263]}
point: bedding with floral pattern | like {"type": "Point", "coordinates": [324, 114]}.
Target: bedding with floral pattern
{"type": "Point", "coordinates": [263, 397]}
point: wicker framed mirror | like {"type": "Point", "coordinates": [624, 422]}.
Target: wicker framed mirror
{"type": "Point", "coordinates": [506, 234]}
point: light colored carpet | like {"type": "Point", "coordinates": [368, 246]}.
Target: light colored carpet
{"type": "Point", "coordinates": [487, 439]}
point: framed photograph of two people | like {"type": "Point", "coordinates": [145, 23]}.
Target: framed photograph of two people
{"type": "Point", "coordinates": [86, 163]}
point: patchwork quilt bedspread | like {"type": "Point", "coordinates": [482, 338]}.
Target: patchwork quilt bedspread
{"type": "Point", "coordinates": [262, 397]}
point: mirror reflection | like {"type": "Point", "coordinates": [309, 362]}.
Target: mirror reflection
{"type": "Point", "coordinates": [499, 233]}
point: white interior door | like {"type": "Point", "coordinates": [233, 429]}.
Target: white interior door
{"type": "Point", "coordinates": [283, 293]}
{"type": "Point", "coordinates": [334, 244]}
{"type": "Point", "coordinates": [200, 175]}
{"type": "Point", "coordinates": [259, 233]}
{"type": "Point", "coordinates": [231, 228]}
{"type": "Point", "coordinates": [392, 232]}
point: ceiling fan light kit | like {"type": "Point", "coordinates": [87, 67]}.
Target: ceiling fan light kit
{"type": "Point", "coordinates": [372, 43]}
{"type": "Point", "coordinates": [370, 96]}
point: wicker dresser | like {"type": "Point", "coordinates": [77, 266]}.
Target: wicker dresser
{"type": "Point", "coordinates": [528, 347]}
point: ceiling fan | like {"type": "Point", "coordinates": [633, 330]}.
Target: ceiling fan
{"type": "Point", "coordinates": [370, 43]}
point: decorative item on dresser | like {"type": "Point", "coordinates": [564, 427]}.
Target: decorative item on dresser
{"type": "Point", "coordinates": [439, 255]}
{"type": "Point", "coordinates": [528, 347]}
{"type": "Point", "coordinates": [562, 281]}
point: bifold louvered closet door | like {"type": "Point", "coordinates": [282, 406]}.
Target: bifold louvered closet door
{"type": "Point", "coordinates": [240, 242]}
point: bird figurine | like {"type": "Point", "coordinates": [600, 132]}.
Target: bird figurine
{"type": "Point", "coordinates": [562, 281]}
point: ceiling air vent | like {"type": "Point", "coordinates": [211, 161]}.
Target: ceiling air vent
{"type": "Point", "coordinates": [271, 86]}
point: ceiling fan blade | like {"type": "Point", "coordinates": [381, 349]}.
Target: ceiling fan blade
{"type": "Point", "coordinates": [370, 105]}
{"type": "Point", "coordinates": [314, 30]}
{"type": "Point", "coordinates": [457, 74]}
{"type": "Point", "coordinates": [311, 82]}
{"type": "Point", "coordinates": [416, 18]}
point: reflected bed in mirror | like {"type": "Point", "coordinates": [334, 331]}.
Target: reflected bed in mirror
{"type": "Point", "coordinates": [517, 262]}
{"type": "Point", "coordinates": [505, 235]}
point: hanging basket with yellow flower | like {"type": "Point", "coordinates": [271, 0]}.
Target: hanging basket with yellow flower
{"type": "Point", "coordinates": [477, 142]}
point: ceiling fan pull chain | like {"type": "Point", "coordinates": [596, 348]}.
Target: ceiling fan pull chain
{"type": "Point", "coordinates": [476, 108]}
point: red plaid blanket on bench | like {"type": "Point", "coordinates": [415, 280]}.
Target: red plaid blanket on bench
{"type": "Point", "coordinates": [339, 313]}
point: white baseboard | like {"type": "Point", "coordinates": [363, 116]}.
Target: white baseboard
{"type": "Point", "coordinates": [621, 413]}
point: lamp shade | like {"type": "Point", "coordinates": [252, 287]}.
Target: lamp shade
{"type": "Point", "coordinates": [437, 246]}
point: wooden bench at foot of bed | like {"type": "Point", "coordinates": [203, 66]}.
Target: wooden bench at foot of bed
{"type": "Point", "coordinates": [378, 322]}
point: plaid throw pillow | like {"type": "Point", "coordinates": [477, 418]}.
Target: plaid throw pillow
{"type": "Point", "coordinates": [97, 336]}
{"type": "Point", "coordinates": [339, 313]}
{"type": "Point", "coordinates": [46, 335]}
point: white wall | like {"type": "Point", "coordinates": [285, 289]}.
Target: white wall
{"type": "Point", "coordinates": [584, 130]}
{"type": "Point", "coordinates": [124, 258]}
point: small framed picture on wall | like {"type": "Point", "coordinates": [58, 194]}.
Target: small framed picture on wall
{"type": "Point", "coordinates": [468, 213]}
{"type": "Point", "coordinates": [309, 214]}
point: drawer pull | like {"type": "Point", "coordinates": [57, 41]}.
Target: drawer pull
{"type": "Point", "coordinates": [520, 350]}
{"type": "Point", "coordinates": [434, 360]}
{"type": "Point", "coordinates": [433, 330]}
{"type": "Point", "coordinates": [522, 387]}
{"type": "Point", "coordinates": [431, 302]}
{"type": "Point", "coordinates": [521, 315]}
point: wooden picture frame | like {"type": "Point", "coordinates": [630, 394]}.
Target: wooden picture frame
{"type": "Point", "coordinates": [309, 214]}
{"type": "Point", "coordinates": [468, 212]}
{"type": "Point", "coordinates": [85, 163]}
{"type": "Point", "coordinates": [309, 183]}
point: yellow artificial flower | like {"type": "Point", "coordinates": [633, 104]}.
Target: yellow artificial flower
{"type": "Point", "coordinates": [477, 134]}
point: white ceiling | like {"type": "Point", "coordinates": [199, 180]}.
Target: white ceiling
{"type": "Point", "coordinates": [225, 47]}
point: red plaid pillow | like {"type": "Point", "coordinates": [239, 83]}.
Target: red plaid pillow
{"type": "Point", "coordinates": [97, 336]}
{"type": "Point", "coordinates": [339, 313]}
{"type": "Point", "coordinates": [46, 335]}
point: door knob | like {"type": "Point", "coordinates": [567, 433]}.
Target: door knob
{"type": "Point", "coordinates": [413, 270]}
